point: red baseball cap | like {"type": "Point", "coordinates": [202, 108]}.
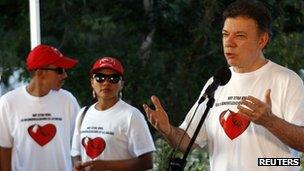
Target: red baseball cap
{"type": "Point", "coordinates": [108, 62]}
{"type": "Point", "coordinates": [43, 55]}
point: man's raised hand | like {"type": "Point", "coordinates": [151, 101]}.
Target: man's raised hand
{"type": "Point", "coordinates": [158, 117]}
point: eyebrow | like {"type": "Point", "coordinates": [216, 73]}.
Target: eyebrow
{"type": "Point", "coordinates": [238, 32]}
{"type": "Point", "coordinates": [242, 32]}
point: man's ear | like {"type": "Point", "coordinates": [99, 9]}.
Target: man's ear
{"type": "Point", "coordinates": [39, 73]}
{"type": "Point", "coordinates": [264, 39]}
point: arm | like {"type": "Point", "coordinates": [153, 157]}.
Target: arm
{"type": "Point", "coordinates": [5, 162]}
{"type": "Point", "coordinates": [260, 113]}
{"type": "Point", "coordinates": [174, 137]}
{"type": "Point", "coordinates": [143, 162]}
{"type": "Point", "coordinates": [294, 137]}
{"type": "Point", "coordinates": [160, 121]}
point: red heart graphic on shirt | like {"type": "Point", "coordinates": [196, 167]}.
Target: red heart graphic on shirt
{"type": "Point", "coordinates": [42, 134]}
{"type": "Point", "coordinates": [93, 147]}
{"type": "Point", "coordinates": [234, 124]}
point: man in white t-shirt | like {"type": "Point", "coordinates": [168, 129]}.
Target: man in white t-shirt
{"type": "Point", "coordinates": [37, 120]}
{"type": "Point", "coordinates": [259, 113]}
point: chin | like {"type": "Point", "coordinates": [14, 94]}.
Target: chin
{"type": "Point", "coordinates": [57, 88]}
{"type": "Point", "coordinates": [232, 63]}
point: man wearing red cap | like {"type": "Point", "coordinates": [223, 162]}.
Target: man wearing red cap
{"type": "Point", "coordinates": [37, 120]}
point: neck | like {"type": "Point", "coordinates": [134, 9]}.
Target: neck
{"type": "Point", "coordinates": [35, 88]}
{"type": "Point", "coordinates": [252, 66]}
{"type": "Point", "coordinates": [106, 104]}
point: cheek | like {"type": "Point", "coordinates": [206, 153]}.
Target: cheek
{"type": "Point", "coordinates": [247, 47]}
{"type": "Point", "coordinates": [250, 49]}
{"type": "Point", "coordinates": [95, 86]}
{"type": "Point", "coordinates": [117, 88]}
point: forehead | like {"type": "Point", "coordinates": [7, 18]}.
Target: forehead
{"type": "Point", "coordinates": [106, 71]}
{"type": "Point", "coordinates": [51, 66]}
{"type": "Point", "coordinates": [240, 24]}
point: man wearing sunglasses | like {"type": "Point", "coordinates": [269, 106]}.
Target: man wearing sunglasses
{"type": "Point", "coordinates": [37, 120]}
{"type": "Point", "coordinates": [111, 135]}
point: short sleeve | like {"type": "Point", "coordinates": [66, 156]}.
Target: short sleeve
{"type": "Point", "coordinates": [74, 109]}
{"type": "Point", "coordinates": [140, 139]}
{"type": "Point", "coordinates": [76, 148]}
{"type": "Point", "coordinates": [293, 110]}
{"type": "Point", "coordinates": [6, 140]}
{"type": "Point", "coordinates": [201, 139]}
{"type": "Point", "coordinates": [190, 124]}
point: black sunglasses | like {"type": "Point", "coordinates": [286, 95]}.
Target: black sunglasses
{"type": "Point", "coordinates": [58, 70]}
{"type": "Point", "coordinates": [111, 78]}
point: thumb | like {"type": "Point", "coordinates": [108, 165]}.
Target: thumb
{"type": "Point", "coordinates": [267, 97]}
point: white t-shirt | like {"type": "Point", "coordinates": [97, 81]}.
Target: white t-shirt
{"type": "Point", "coordinates": [241, 143]}
{"type": "Point", "coordinates": [117, 133]}
{"type": "Point", "coordinates": [38, 129]}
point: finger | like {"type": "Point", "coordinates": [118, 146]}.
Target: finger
{"type": "Point", "coordinates": [244, 115]}
{"type": "Point", "coordinates": [87, 164]}
{"type": "Point", "coordinates": [249, 105]}
{"type": "Point", "coordinates": [148, 112]}
{"type": "Point", "coordinates": [147, 109]}
{"type": "Point", "coordinates": [156, 103]}
{"type": "Point", "coordinates": [244, 111]}
{"type": "Point", "coordinates": [254, 101]}
{"type": "Point", "coordinates": [77, 168]}
{"type": "Point", "coordinates": [78, 165]}
{"type": "Point", "coordinates": [267, 97]}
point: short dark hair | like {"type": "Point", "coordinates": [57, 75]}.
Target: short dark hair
{"type": "Point", "coordinates": [252, 9]}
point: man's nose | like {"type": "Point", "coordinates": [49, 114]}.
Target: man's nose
{"type": "Point", "coordinates": [229, 41]}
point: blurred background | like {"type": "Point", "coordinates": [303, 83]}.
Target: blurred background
{"type": "Point", "coordinates": [168, 48]}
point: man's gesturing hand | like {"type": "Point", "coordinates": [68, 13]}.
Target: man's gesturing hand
{"type": "Point", "coordinates": [256, 110]}
{"type": "Point", "coordinates": [158, 117]}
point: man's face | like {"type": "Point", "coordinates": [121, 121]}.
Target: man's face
{"type": "Point", "coordinates": [52, 78]}
{"type": "Point", "coordinates": [242, 43]}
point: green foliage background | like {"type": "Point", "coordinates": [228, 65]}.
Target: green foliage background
{"type": "Point", "coordinates": [169, 48]}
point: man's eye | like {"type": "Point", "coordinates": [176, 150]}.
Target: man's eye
{"type": "Point", "coordinates": [240, 35]}
{"type": "Point", "coordinates": [225, 34]}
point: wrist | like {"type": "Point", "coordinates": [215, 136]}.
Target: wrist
{"type": "Point", "coordinates": [270, 121]}
{"type": "Point", "coordinates": [169, 132]}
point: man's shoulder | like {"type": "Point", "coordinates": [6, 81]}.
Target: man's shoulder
{"type": "Point", "coordinates": [282, 71]}
{"type": "Point", "coordinates": [65, 97]}
{"type": "Point", "coordinates": [64, 94]}
{"type": "Point", "coordinates": [17, 92]}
